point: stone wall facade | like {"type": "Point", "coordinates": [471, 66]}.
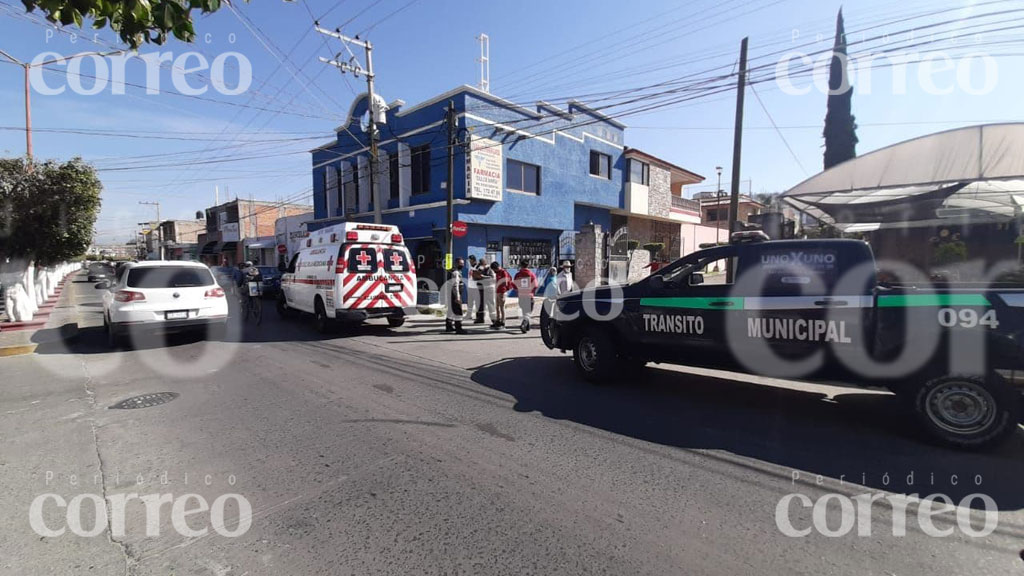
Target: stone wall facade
{"type": "Point", "coordinates": [659, 201]}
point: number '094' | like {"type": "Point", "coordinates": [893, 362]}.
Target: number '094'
{"type": "Point", "coordinates": [967, 318]}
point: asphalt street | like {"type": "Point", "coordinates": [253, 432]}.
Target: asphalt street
{"type": "Point", "coordinates": [410, 451]}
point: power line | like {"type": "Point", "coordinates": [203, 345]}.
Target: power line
{"type": "Point", "coordinates": [777, 131]}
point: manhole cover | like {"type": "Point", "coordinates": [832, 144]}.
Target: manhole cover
{"type": "Point", "coordinates": [145, 401]}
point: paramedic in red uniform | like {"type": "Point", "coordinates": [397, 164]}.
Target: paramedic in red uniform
{"type": "Point", "coordinates": [502, 284]}
{"type": "Point", "coordinates": [526, 286]}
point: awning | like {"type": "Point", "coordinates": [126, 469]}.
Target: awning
{"type": "Point", "coordinates": [229, 247]}
{"type": "Point", "coordinates": [210, 248]}
{"type": "Point", "coordinates": [973, 174]}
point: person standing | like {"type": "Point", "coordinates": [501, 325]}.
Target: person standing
{"type": "Point", "coordinates": [487, 296]}
{"type": "Point", "coordinates": [472, 288]}
{"type": "Point", "coordinates": [453, 321]}
{"type": "Point", "coordinates": [502, 284]}
{"type": "Point", "coordinates": [563, 283]}
{"type": "Point", "coordinates": [526, 286]}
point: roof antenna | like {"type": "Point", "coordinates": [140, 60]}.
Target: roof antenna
{"type": "Point", "coordinates": [485, 62]}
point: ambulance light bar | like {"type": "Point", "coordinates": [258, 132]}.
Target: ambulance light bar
{"type": "Point", "coordinates": [371, 227]}
{"type": "Point", "coordinates": [396, 238]}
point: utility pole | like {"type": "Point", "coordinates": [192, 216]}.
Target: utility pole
{"type": "Point", "coordinates": [28, 66]}
{"type": "Point", "coordinates": [737, 146]}
{"type": "Point", "coordinates": [450, 123]}
{"type": "Point", "coordinates": [718, 206]}
{"type": "Point", "coordinates": [159, 227]}
{"type": "Point", "coordinates": [353, 66]}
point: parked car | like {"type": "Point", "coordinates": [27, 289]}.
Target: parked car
{"type": "Point", "coordinates": [163, 296]}
{"type": "Point", "coordinates": [271, 280]}
{"type": "Point", "coordinates": [225, 276]}
{"type": "Point", "coordinates": [100, 271]}
{"type": "Point", "coordinates": [815, 302]}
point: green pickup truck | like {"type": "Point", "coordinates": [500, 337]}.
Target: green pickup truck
{"type": "Point", "coordinates": [813, 310]}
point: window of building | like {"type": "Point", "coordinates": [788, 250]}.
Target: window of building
{"type": "Point", "coordinates": [522, 177]}
{"type": "Point", "coordinates": [718, 214]}
{"type": "Point", "coordinates": [351, 187]}
{"type": "Point", "coordinates": [639, 172]}
{"type": "Point", "coordinates": [393, 172]}
{"type": "Point", "coordinates": [600, 164]}
{"type": "Point", "coordinates": [420, 169]}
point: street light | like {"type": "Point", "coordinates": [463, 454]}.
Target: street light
{"type": "Point", "coordinates": [718, 204]}
{"type": "Point", "coordinates": [28, 101]}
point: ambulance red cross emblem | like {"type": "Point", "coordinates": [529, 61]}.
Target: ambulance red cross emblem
{"type": "Point", "coordinates": [396, 260]}
{"type": "Point", "coordinates": [363, 258]}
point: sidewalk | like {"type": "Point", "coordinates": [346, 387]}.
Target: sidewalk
{"type": "Point", "coordinates": [56, 320]}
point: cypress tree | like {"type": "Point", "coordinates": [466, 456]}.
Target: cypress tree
{"type": "Point", "coordinates": [840, 127]}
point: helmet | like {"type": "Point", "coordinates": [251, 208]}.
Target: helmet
{"type": "Point", "coordinates": [248, 264]}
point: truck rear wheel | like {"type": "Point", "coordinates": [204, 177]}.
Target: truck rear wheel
{"type": "Point", "coordinates": [322, 323]}
{"type": "Point", "coordinates": [967, 411]}
{"type": "Point", "coordinates": [594, 355]}
{"type": "Point", "coordinates": [396, 321]}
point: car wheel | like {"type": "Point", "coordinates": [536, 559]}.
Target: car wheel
{"type": "Point", "coordinates": [967, 411]}
{"type": "Point", "coordinates": [320, 319]}
{"type": "Point", "coordinates": [396, 322]}
{"type": "Point", "coordinates": [594, 355]}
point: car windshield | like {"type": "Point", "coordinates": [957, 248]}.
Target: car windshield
{"type": "Point", "coordinates": [169, 277]}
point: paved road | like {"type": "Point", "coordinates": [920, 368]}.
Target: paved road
{"type": "Point", "coordinates": [413, 452]}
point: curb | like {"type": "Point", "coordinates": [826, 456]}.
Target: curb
{"type": "Point", "coordinates": [66, 334]}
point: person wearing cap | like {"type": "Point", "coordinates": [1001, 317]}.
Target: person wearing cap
{"type": "Point", "coordinates": [563, 283]}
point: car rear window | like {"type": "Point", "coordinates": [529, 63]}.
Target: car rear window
{"type": "Point", "coordinates": [169, 277]}
{"type": "Point", "coordinates": [362, 260]}
{"type": "Point", "coordinates": [395, 261]}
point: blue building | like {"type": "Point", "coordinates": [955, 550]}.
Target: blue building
{"type": "Point", "coordinates": [526, 179]}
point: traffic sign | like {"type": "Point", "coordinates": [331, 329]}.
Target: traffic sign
{"type": "Point", "coordinates": [459, 228]}
{"type": "Point", "coordinates": [282, 249]}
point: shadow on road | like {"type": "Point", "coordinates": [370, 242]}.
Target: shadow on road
{"type": "Point", "coordinates": [865, 438]}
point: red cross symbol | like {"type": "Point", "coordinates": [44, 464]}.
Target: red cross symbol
{"type": "Point", "coordinates": [396, 260]}
{"type": "Point", "coordinates": [363, 258]}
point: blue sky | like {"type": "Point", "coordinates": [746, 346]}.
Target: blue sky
{"type": "Point", "coordinates": [539, 50]}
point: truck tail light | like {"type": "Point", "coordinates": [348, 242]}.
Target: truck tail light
{"type": "Point", "coordinates": [351, 236]}
{"type": "Point", "coordinates": [128, 296]}
{"type": "Point", "coordinates": [214, 293]}
{"type": "Point", "coordinates": [396, 238]}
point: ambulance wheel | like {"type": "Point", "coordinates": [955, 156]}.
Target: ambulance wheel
{"type": "Point", "coordinates": [282, 308]}
{"type": "Point", "coordinates": [396, 321]}
{"type": "Point", "coordinates": [968, 412]}
{"type": "Point", "coordinates": [594, 355]}
{"type": "Point", "coordinates": [322, 323]}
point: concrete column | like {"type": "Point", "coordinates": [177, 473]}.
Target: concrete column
{"type": "Point", "coordinates": [589, 254]}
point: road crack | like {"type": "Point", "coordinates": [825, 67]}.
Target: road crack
{"type": "Point", "coordinates": [129, 559]}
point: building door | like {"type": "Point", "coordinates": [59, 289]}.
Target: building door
{"type": "Point", "coordinates": [429, 265]}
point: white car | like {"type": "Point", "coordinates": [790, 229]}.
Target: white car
{"type": "Point", "coordinates": [163, 296]}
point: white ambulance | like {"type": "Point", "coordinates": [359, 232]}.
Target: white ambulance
{"type": "Point", "coordinates": [348, 273]}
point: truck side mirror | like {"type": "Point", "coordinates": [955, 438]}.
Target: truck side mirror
{"type": "Point", "coordinates": [696, 279]}
{"type": "Point", "coordinates": [657, 282]}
